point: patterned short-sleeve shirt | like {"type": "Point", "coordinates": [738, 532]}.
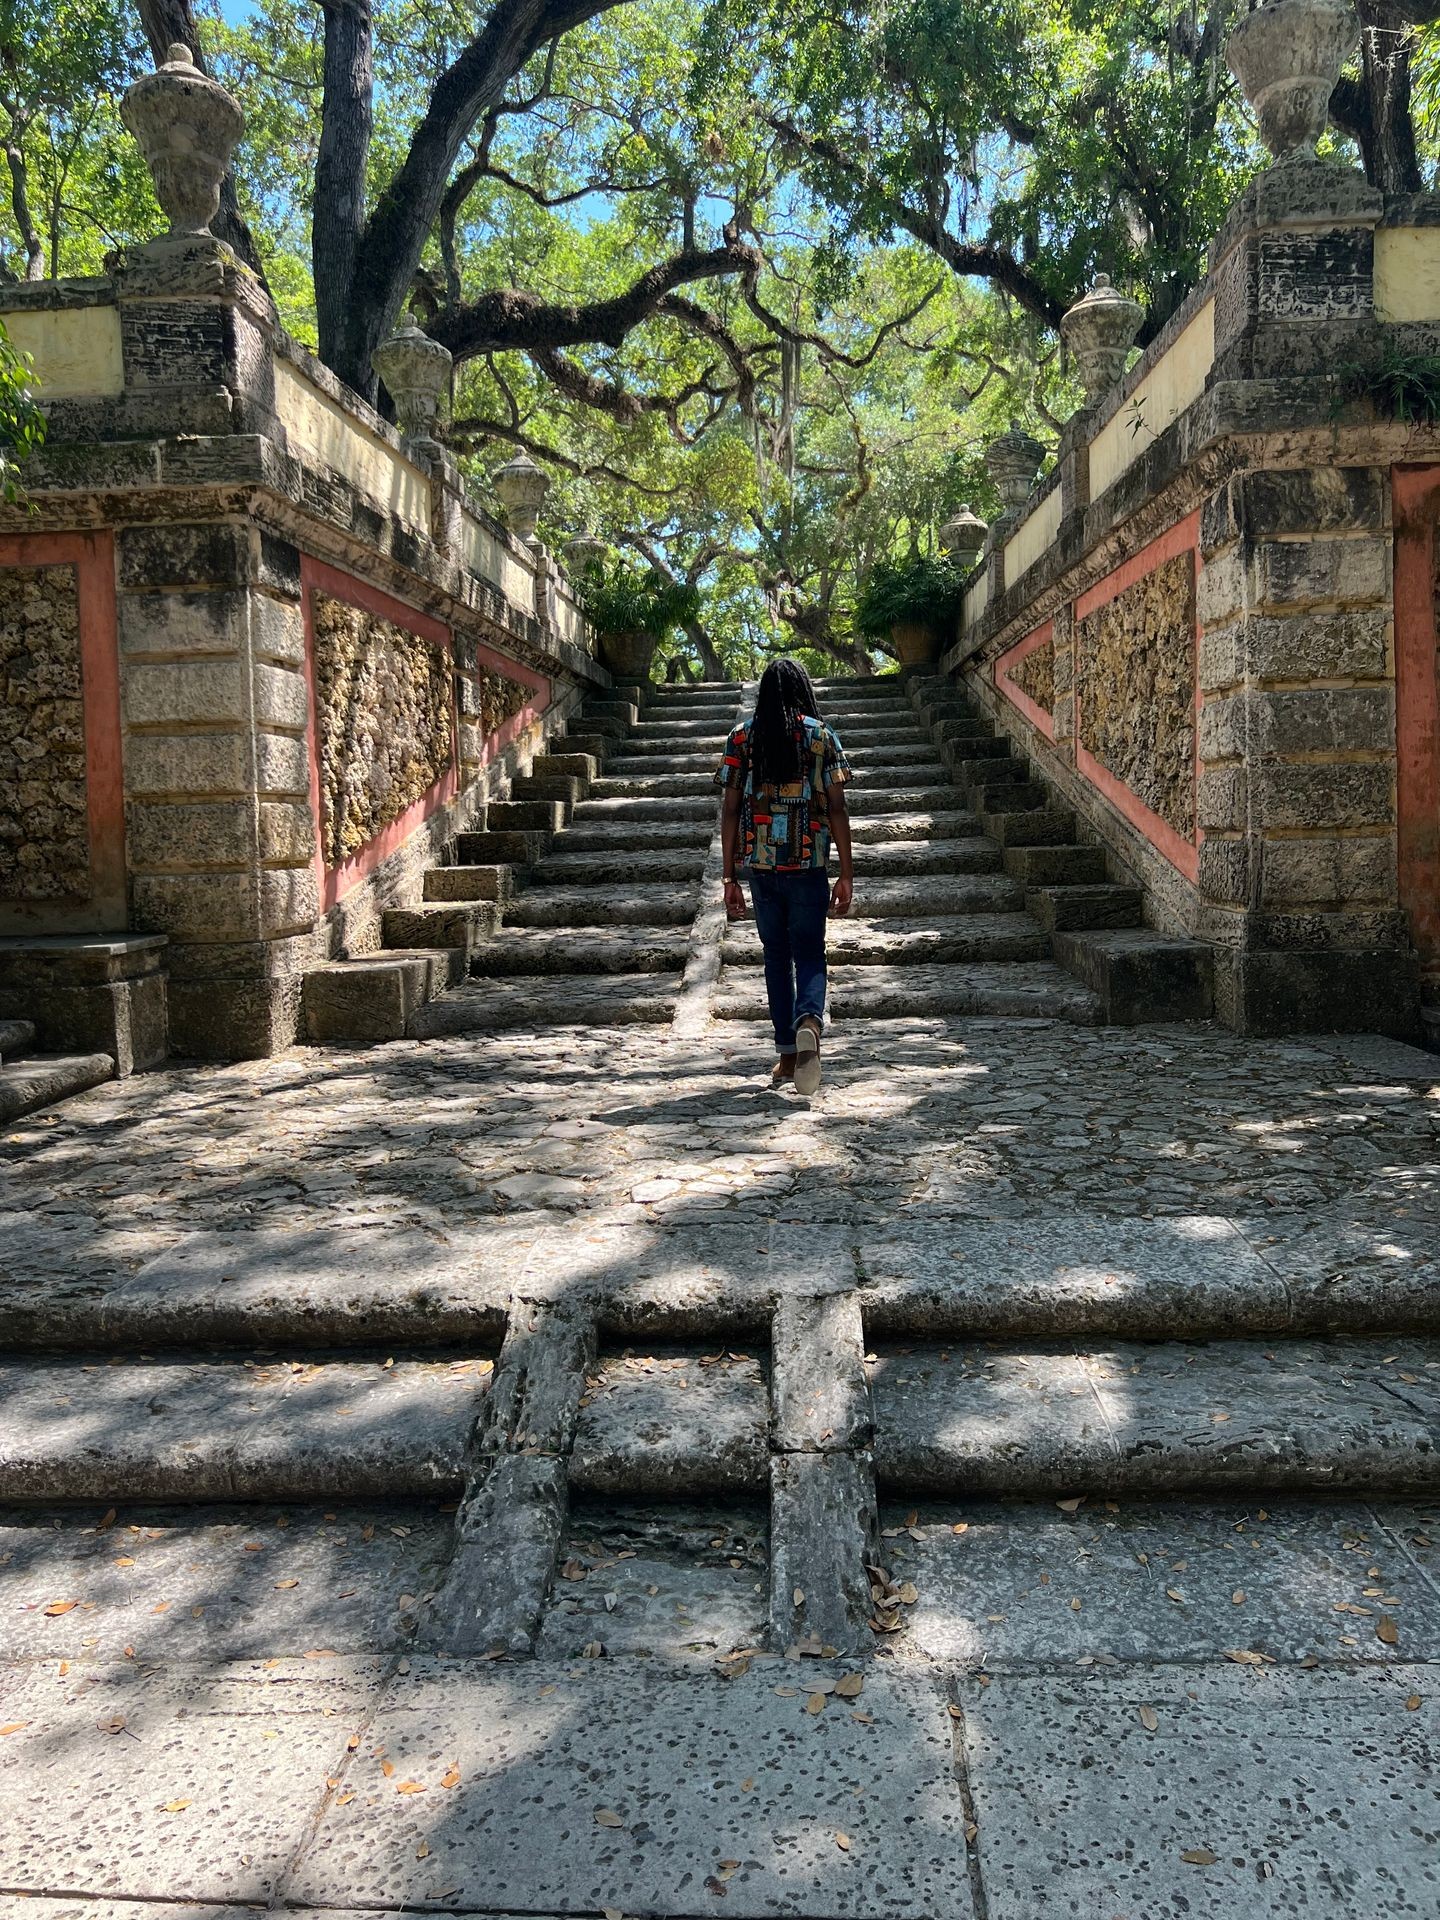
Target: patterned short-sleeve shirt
{"type": "Point", "coordinates": [786, 829]}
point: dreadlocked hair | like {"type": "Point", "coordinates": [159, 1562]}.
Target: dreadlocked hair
{"type": "Point", "coordinates": [776, 736]}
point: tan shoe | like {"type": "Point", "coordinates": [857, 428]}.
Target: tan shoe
{"type": "Point", "coordinates": [783, 1071]}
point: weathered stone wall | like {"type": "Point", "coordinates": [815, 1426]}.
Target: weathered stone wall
{"type": "Point", "coordinates": [44, 831]}
{"type": "Point", "coordinates": [384, 723]}
{"type": "Point", "coordinates": [1135, 681]}
{"type": "Point", "coordinates": [1035, 675]}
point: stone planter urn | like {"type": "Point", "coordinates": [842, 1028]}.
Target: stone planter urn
{"type": "Point", "coordinates": [1098, 332]}
{"type": "Point", "coordinates": [629, 656]}
{"type": "Point", "coordinates": [522, 487]}
{"type": "Point", "coordinates": [963, 537]}
{"type": "Point", "coordinates": [186, 126]}
{"type": "Point", "coordinates": [582, 553]}
{"type": "Point", "coordinates": [1287, 56]}
{"type": "Point", "coordinates": [1012, 462]}
{"type": "Point", "coordinates": [916, 643]}
{"type": "Point", "coordinates": [416, 372]}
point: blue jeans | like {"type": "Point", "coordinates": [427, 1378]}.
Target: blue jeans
{"type": "Point", "coordinates": [790, 910]}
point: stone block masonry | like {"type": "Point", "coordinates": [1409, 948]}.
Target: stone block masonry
{"type": "Point", "coordinates": [1243, 709]}
{"type": "Point", "coordinates": [262, 656]}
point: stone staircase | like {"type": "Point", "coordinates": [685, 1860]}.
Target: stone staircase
{"type": "Point", "coordinates": [31, 1080]}
{"type": "Point", "coordinates": [577, 903]}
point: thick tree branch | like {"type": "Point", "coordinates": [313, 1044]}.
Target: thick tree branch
{"type": "Point", "coordinates": [512, 318]}
{"type": "Point", "coordinates": [345, 128]}
{"type": "Point", "coordinates": [982, 262]}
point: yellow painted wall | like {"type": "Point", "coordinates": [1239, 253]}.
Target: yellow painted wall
{"type": "Point", "coordinates": [1407, 273]}
{"type": "Point", "coordinates": [75, 350]}
{"type": "Point", "coordinates": [317, 426]}
{"type": "Point", "coordinates": [1032, 537]}
{"type": "Point", "coordinates": [977, 598]}
{"type": "Point", "coordinates": [1173, 383]}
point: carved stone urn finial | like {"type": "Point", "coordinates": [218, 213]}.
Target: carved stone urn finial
{"type": "Point", "coordinates": [416, 372]}
{"type": "Point", "coordinates": [187, 126]}
{"type": "Point", "coordinates": [1287, 56]}
{"type": "Point", "coordinates": [1099, 330]}
{"type": "Point", "coordinates": [582, 553]}
{"type": "Point", "coordinates": [522, 487]}
{"type": "Point", "coordinates": [963, 536]}
{"type": "Point", "coordinates": [1012, 462]}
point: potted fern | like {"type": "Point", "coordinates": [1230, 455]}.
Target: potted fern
{"type": "Point", "coordinates": [631, 610]}
{"type": "Point", "coordinates": [913, 603]}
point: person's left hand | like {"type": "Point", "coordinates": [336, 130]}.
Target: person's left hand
{"type": "Point", "coordinates": [840, 897]}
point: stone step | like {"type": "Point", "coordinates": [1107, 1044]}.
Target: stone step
{"type": "Point", "coordinates": [653, 836]}
{"type": "Point", "coordinates": [903, 857]}
{"type": "Point", "coordinates": [454, 923]}
{"type": "Point", "coordinates": [631, 766]}
{"type": "Point", "coordinates": [480, 881]}
{"type": "Point", "coordinates": [884, 896]}
{"type": "Point", "coordinates": [976, 758]}
{"type": "Point", "coordinates": [673, 726]}
{"type": "Point", "coordinates": [641, 1430]}
{"type": "Point", "coordinates": [1065, 909]}
{"type": "Point", "coordinates": [191, 1430]}
{"type": "Point", "coordinates": [626, 905]}
{"type": "Point", "coordinates": [649, 810]}
{"type": "Point", "coordinates": [901, 942]}
{"type": "Point", "coordinates": [16, 1036]}
{"type": "Point", "coordinates": [1031, 989]}
{"type": "Point", "coordinates": [557, 789]}
{"type": "Point", "coordinates": [40, 1079]}
{"type": "Point", "coordinates": [577, 1000]}
{"type": "Point", "coordinates": [598, 710]}
{"type": "Point", "coordinates": [371, 997]}
{"type": "Point", "coordinates": [1030, 827]}
{"type": "Point", "coordinates": [603, 870]}
{"type": "Point", "coordinates": [1002, 789]}
{"type": "Point", "coordinates": [658, 786]}
{"type": "Point", "coordinates": [512, 849]}
{"type": "Point", "coordinates": [870, 800]}
{"type": "Point", "coordinates": [524, 816]}
{"type": "Point", "coordinates": [564, 950]}
{"type": "Point", "coordinates": [595, 746]}
{"type": "Point", "coordinates": [572, 766]}
{"type": "Point", "coordinates": [949, 821]}
{"type": "Point", "coordinates": [917, 762]}
{"type": "Point", "coordinates": [881, 733]}
{"type": "Point", "coordinates": [1061, 866]}
{"type": "Point", "coordinates": [1129, 1418]}
{"type": "Point", "coordinates": [1140, 975]}
{"type": "Point", "coordinates": [967, 727]}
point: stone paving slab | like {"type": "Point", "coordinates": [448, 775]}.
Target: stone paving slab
{"type": "Point", "coordinates": [670, 1423]}
{"type": "Point", "coordinates": [870, 938]}
{"type": "Point", "coordinates": [670, 1582]}
{"type": "Point", "coordinates": [574, 1000]}
{"type": "Point", "coordinates": [1293, 1793]}
{"type": "Point", "coordinates": [1028, 989]}
{"type": "Point", "coordinates": [215, 1583]}
{"type": "Point", "coordinates": [1007, 1584]}
{"type": "Point", "coordinates": [1062, 1273]}
{"type": "Point", "coordinates": [218, 1430]}
{"type": "Point", "coordinates": [1355, 1415]}
{"type": "Point", "coordinates": [128, 1780]}
{"type": "Point", "coordinates": [696, 1772]}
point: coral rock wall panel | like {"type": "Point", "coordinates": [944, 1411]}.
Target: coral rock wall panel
{"type": "Point", "coordinates": [1035, 675]}
{"type": "Point", "coordinates": [384, 721]}
{"type": "Point", "coordinates": [1135, 676]}
{"type": "Point", "coordinates": [500, 700]}
{"type": "Point", "coordinates": [44, 826]}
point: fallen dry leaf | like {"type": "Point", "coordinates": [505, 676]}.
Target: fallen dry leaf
{"type": "Point", "coordinates": [1149, 1719]}
{"type": "Point", "coordinates": [1387, 1631]}
{"type": "Point", "coordinates": [849, 1685]}
{"type": "Point", "coordinates": [450, 1777]}
{"type": "Point", "coordinates": [61, 1606]}
{"type": "Point", "coordinates": [842, 1840]}
{"type": "Point", "coordinates": [1198, 1857]}
{"type": "Point", "coordinates": [607, 1817]}
{"type": "Point", "coordinates": [422, 1852]}
{"type": "Point", "coordinates": [1071, 1506]}
{"type": "Point", "coordinates": [282, 1586]}
{"type": "Point", "coordinates": [105, 1524]}
{"type": "Point", "coordinates": [410, 1786]}
{"type": "Point", "coordinates": [816, 1703]}
{"type": "Point", "coordinates": [1413, 1703]}
{"type": "Point", "coordinates": [14, 1726]}
{"type": "Point", "coordinates": [387, 1767]}
{"type": "Point", "coordinates": [175, 1806]}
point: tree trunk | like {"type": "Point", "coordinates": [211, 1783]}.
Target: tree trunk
{"type": "Point", "coordinates": [712, 667]}
{"type": "Point", "coordinates": [1387, 141]}
{"type": "Point", "coordinates": [20, 207]}
{"type": "Point", "coordinates": [165, 22]}
{"type": "Point", "coordinates": [345, 128]}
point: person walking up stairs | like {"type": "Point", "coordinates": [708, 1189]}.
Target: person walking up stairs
{"type": "Point", "coordinates": [783, 776]}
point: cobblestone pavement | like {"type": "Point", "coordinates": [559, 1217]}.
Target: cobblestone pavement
{"type": "Point", "coordinates": [440, 1475]}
